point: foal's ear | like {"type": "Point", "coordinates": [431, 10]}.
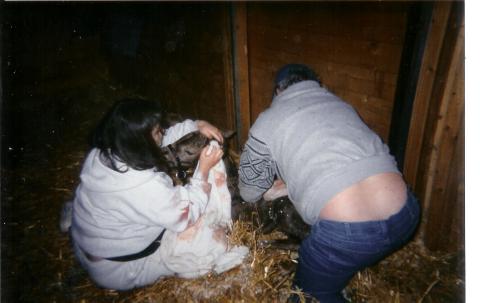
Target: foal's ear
{"type": "Point", "coordinates": [228, 134]}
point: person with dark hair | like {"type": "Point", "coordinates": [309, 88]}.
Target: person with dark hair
{"type": "Point", "coordinates": [339, 175]}
{"type": "Point", "coordinates": [125, 200]}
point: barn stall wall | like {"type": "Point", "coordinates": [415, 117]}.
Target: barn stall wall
{"type": "Point", "coordinates": [354, 47]}
{"type": "Point", "coordinates": [186, 61]}
{"type": "Point", "coordinates": [183, 58]}
{"type": "Point", "coordinates": [177, 53]}
{"type": "Point", "coordinates": [435, 150]}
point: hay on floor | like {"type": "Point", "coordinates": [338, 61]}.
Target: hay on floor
{"type": "Point", "coordinates": [412, 274]}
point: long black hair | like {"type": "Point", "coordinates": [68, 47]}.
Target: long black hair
{"type": "Point", "coordinates": [125, 135]}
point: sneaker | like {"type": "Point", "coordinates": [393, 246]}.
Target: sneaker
{"type": "Point", "coordinates": [66, 216]}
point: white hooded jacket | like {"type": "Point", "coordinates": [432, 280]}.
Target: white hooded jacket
{"type": "Point", "coordinates": [118, 214]}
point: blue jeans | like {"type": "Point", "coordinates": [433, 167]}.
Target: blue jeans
{"type": "Point", "coordinates": [334, 251]}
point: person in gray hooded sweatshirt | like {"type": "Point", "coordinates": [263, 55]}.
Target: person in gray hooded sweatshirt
{"type": "Point", "coordinates": [339, 175]}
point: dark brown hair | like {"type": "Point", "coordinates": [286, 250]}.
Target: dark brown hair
{"type": "Point", "coordinates": [125, 135]}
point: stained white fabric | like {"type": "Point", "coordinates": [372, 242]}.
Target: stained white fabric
{"type": "Point", "coordinates": [203, 246]}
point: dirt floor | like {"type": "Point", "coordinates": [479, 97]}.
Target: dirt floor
{"type": "Point", "coordinates": [47, 117]}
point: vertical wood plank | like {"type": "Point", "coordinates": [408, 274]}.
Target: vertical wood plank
{"type": "Point", "coordinates": [441, 12]}
{"type": "Point", "coordinates": [445, 114]}
{"type": "Point", "coordinates": [241, 70]}
{"type": "Point", "coordinates": [442, 182]}
{"type": "Point", "coordinates": [439, 181]}
{"type": "Point", "coordinates": [228, 74]}
{"type": "Point", "coordinates": [443, 228]}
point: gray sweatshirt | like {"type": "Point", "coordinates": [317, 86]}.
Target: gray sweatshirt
{"type": "Point", "coordinates": [316, 143]}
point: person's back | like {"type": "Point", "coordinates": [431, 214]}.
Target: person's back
{"type": "Point", "coordinates": [339, 175]}
{"type": "Point", "coordinates": [366, 200]}
{"type": "Point", "coordinates": [320, 147]}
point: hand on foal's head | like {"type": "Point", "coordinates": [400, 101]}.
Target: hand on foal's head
{"type": "Point", "coordinates": [209, 131]}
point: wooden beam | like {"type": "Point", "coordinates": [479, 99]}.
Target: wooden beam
{"type": "Point", "coordinates": [421, 106]}
{"type": "Point", "coordinates": [241, 71]}
{"type": "Point", "coordinates": [438, 208]}
{"type": "Point", "coordinates": [230, 115]}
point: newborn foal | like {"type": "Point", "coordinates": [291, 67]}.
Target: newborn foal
{"type": "Point", "coordinates": [278, 214]}
{"type": "Point", "coordinates": [275, 212]}
{"type": "Point", "coordinates": [182, 156]}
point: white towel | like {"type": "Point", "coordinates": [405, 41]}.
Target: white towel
{"type": "Point", "coordinates": [203, 247]}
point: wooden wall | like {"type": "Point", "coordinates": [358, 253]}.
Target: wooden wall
{"type": "Point", "coordinates": [185, 60]}
{"type": "Point", "coordinates": [354, 47]}
{"type": "Point", "coordinates": [435, 151]}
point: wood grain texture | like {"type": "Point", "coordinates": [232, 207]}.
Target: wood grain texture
{"type": "Point", "coordinates": [354, 47]}
{"type": "Point", "coordinates": [420, 112]}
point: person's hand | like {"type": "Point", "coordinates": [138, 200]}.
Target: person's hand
{"type": "Point", "coordinates": [209, 156]}
{"type": "Point", "coordinates": [278, 189]}
{"type": "Point", "coordinates": [209, 131]}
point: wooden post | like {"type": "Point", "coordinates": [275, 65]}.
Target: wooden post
{"type": "Point", "coordinates": [441, 179]}
{"type": "Point", "coordinates": [438, 178]}
{"type": "Point", "coordinates": [444, 114]}
{"type": "Point", "coordinates": [230, 115]}
{"type": "Point", "coordinates": [241, 75]}
{"type": "Point", "coordinates": [441, 12]}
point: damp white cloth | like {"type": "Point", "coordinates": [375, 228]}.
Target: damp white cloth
{"type": "Point", "coordinates": [203, 246]}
